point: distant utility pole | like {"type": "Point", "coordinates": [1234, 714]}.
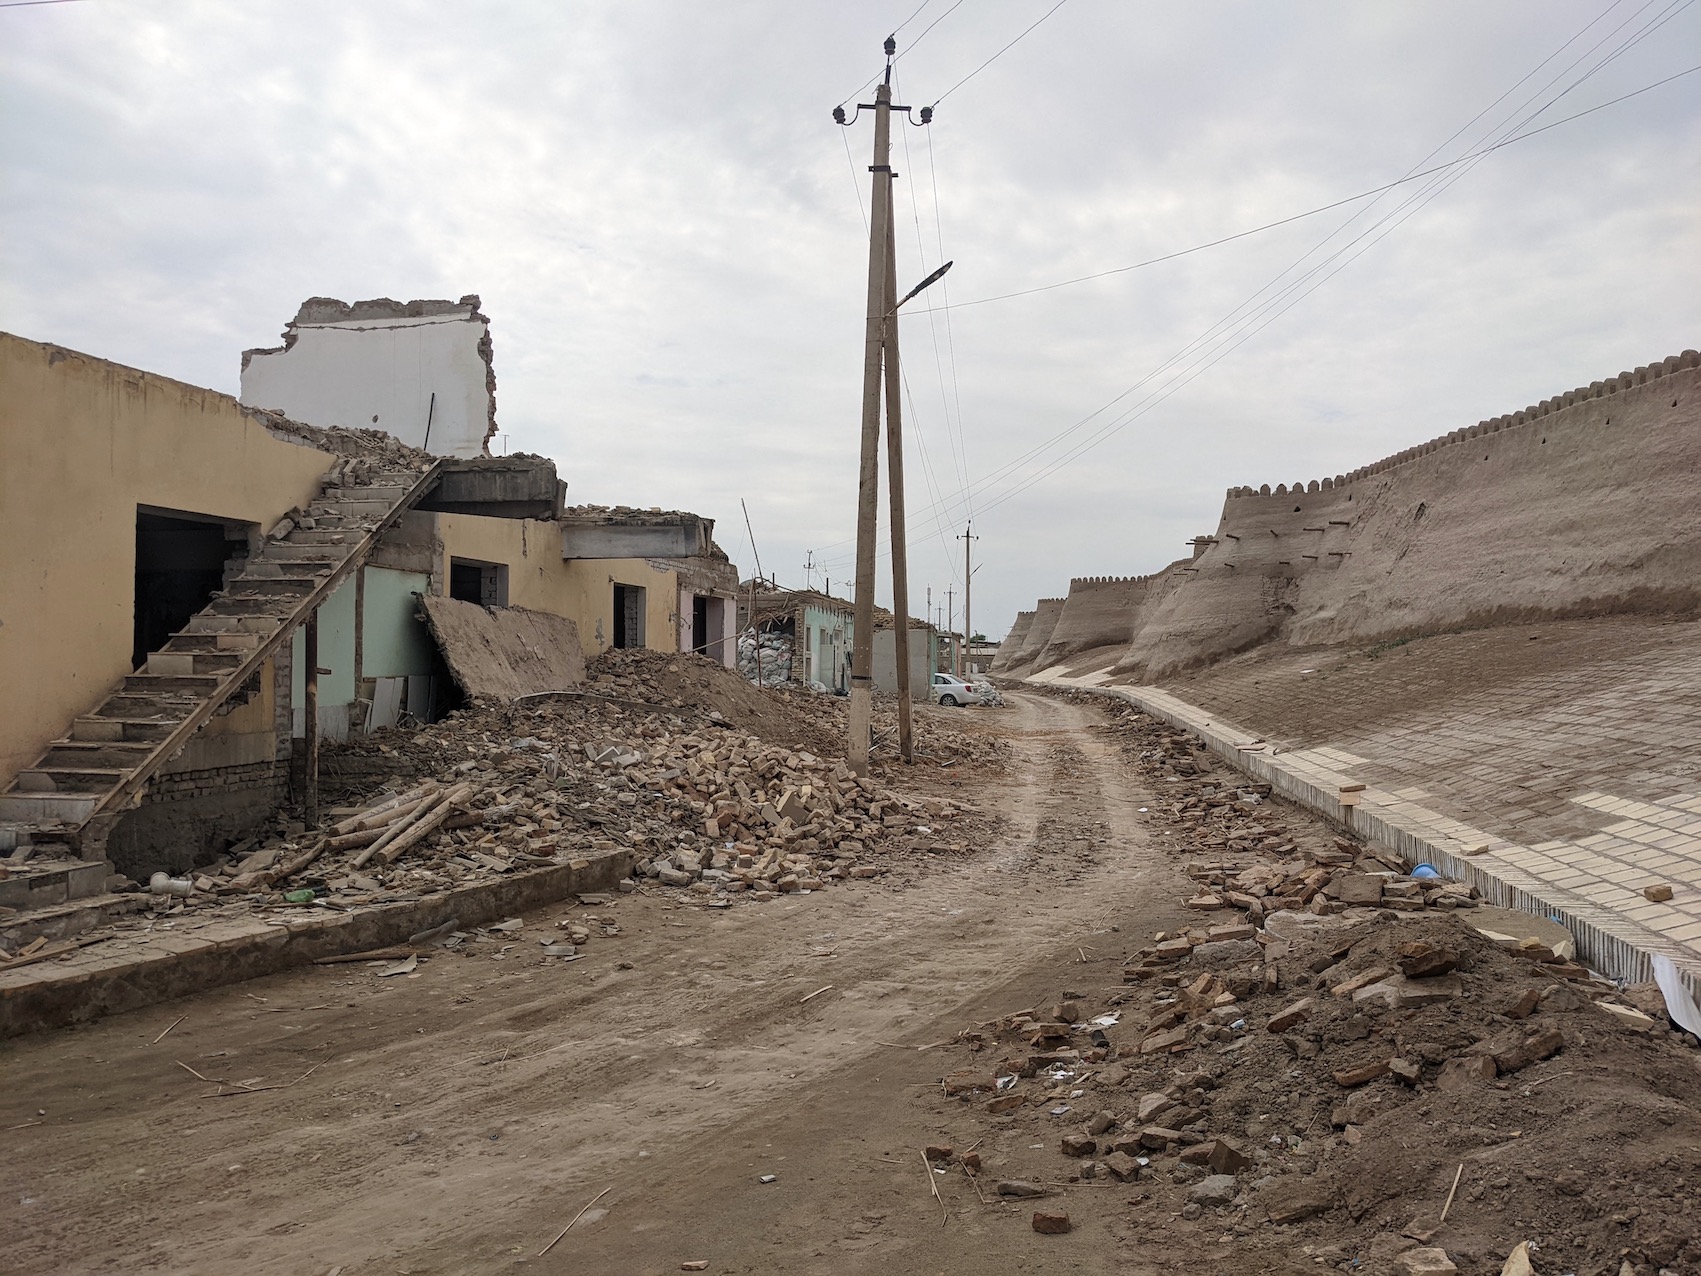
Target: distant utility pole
{"type": "Point", "coordinates": [968, 538]}
{"type": "Point", "coordinates": [880, 356]}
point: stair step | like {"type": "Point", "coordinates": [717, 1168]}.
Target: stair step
{"type": "Point", "coordinates": [196, 685]}
{"type": "Point", "coordinates": [260, 608]}
{"type": "Point", "coordinates": [274, 587]}
{"type": "Point", "coordinates": [179, 663]}
{"type": "Point", "coordinates": [289, 552]}
{"type": "Point", "coordinates": [45, 808]}
{"type": "Point", "coordinates": [170, 708]}
{"type": "Point", "coordinates": [56, 921]}
{"type": "Point", "coordinates": [287, 569]}
{"type": "Point", "coordinates": [97, 730]}
{"type": "Point", "coordinates": [55, 882]}
{"type": "Point", "coordinates": [386, 494]}
{"type": "Point", "coordinates": [322, 536]}
{"type": "Point", "coordinates": [235, 626]}
{"type": "Point", "coordinates": [237, 644]}
{"type": "Point", "coordinates": [351, 505]}
{"type": "Point", "coordinates": [125, 756]}
{"type": "Point", "coordinates": [348, 511]}
{"type": "Point", "coordinates": [38, 780]}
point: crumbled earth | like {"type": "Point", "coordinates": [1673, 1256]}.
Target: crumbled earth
{"type": "Point", "coordinates": [658, 761]}
{"type": "Point", "coordinates": [803, 1086]}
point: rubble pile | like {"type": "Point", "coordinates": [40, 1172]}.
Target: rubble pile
{"type": "Point", "coordinates": [1310, 1066]}
{"type": "Point", "coordinates": [700, 804]}
{"type": "Point", "coordinates": [1315, 1083]}
{"type": "Point", "coordinates": [765, 658]}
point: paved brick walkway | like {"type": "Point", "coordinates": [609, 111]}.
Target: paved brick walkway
{"type": "Point", "coordinates": [1505, 728]}
{"type": "Point", "coordinates": [1562, 761]}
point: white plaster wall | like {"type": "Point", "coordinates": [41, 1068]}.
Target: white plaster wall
{"type": "Point", "coordinates": [350, 373]}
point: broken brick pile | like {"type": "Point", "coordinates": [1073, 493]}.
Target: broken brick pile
{"type": "Point", "coordinates": [1307, 1077]}
{"type": "Point", "coordinates": [702, 806]}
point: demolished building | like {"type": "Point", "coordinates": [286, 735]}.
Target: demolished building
{"type": "Point", "coordinates": [199, 591]}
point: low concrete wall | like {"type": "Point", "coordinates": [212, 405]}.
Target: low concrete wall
{"type": "Point", "coordinates": [94, 983]}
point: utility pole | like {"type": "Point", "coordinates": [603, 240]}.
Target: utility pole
{"type": "Point", "coordinates": [895, 496]}
{"type": "Point", "coordinates": [968, 538]}
{"type": "Point", "coordinates": [880, 354]}
{"type": "Point", "coordinates": [951, 622]}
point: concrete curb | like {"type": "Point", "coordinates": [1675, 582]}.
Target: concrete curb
{"type": "Point", "coordinates": [1614, 945]}
{"type": "Point", "coordinates": [91, 984]}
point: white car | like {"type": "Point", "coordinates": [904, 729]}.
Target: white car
{"type": "Point", "coordinates": [952, 691]}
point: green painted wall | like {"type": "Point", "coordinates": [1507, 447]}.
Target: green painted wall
{"type": "Point", "coordinates": [396, 644]}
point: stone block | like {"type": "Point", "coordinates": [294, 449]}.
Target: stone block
{"type": "Point", "coordinates": [1424, 1262]}
{"type": "Point", "coordinates": [1291, 1015]}
{"type": "Point", "coordinates": [1465, 1071]}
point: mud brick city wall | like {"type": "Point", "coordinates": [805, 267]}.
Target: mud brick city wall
{"type": "Point", "coordinates": [1580, 505]}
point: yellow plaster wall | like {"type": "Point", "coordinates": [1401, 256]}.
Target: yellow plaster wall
{"type": "Point", "coordinates": [83, 442]}
{"type": "Point", "coordinates": [580, 589]}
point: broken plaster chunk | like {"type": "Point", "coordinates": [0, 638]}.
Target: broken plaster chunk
{"type": "Point", "coordinates": [1291, 1015]}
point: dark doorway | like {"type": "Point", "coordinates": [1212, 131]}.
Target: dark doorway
{"type": "Point", "coordinates": [180, 563]}
{"type": "Point", "coordinates": [699, 624]}
{"type": "Point", "coordinates": [628, 615]}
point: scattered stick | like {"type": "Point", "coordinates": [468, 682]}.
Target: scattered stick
{"type": "Point", "coordinates": [1457, 1175]}
{"type": "Point", "coordinates": [26, 1125]}
{"type": "Point", "coordinates": [396, 953]}
{"type": "Point", "coordinates": [812, 996]}
{"type": "Point", "coordinates": [576, 1218]}
{"type": "Point", "coordinates": [53, 950]}
{"type": "Point", "coordinates": [974, 1182]}
{"type": "Point", "coordinates": [288, 870]}
{"type": "Point", "coordinates": [169, 1027]}
{"type": "Point", "coordinates": [247, 1089]}
{"type": "Point", "coordinates": [931, 1183]}
{"type": "Point", "coordinates": [203, 1076]}
{"type": "Point", "coordinates": [1551, 1077]}
{"type": "Point", "coordinates": [259, 1089]}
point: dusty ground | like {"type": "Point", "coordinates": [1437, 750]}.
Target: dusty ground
{"type": "Point", "coordinates": [457, 1119]}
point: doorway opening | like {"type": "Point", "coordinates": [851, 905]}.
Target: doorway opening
{"type": "Point", "coordinates": [181, 562]}
{"type": "Point", "coordinates": [700, 624]}
{"type": "Point", "coordinates": [628, 615]}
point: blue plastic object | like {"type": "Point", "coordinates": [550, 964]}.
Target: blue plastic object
{"type": "Point", "coordinates": [1425, 870]}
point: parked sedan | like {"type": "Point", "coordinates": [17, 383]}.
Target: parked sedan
{"type": "Point", "coordinates": [952, 691]}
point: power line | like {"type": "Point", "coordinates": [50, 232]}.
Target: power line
{"type": "Point", "coordinates": [863, 88]}
{"type": "Point", "coordinates": [1233, 340]}
{"type": "Point", "coordinates": [1284, 221]}
{"type": "Point", "coordinates": [25, 4]}
{"type": "Point", "coordinates": [1218, 347]}
{"type": "Point", "coordinates": [971, 75]}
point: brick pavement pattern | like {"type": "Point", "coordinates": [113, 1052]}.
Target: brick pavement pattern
{"type": "Point", "coordinates": [1559, 763]}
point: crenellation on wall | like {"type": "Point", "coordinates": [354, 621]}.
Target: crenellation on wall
{"type": "Point", "coordinates": [1623, 383]}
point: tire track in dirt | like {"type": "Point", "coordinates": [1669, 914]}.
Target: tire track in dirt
{"type": "Point", "coordinates": [461, 1108]}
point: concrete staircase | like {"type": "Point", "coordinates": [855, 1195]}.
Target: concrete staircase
{"type": "Point", "coordinates": [56, 814]}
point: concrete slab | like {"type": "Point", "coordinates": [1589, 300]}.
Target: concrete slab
{"type": "Point", "coordinates": [131, 971]}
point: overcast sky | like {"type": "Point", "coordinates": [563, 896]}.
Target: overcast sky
{"type": "Point", "coordinates": [667, 232]}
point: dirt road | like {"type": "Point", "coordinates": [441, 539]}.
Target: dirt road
{"type": "Point", "coordinates": [455, 1119]}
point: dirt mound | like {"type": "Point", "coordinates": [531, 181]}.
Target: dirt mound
{"type": "Point", "coordinates": [1299, 1084]}
{"type": "Point", "coordinates": [686, 682]}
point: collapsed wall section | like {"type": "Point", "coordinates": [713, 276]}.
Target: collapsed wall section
{"type": "Point", "coordinates": [420, 370]}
